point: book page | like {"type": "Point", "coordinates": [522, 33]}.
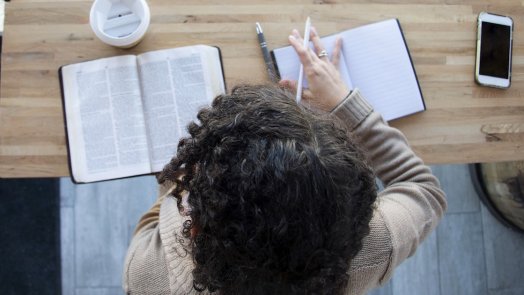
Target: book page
{"type": "Point", "coordinates": [288, 63]}
{"type": "Point", "coordinates": [379, 65]}
{"type": "Point", "coordinates": [105, 122]}
{"type": "Point", "coordinates": [176, 83]}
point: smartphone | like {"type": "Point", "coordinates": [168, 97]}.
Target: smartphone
{"type": "Point", "coordinates": [494, 43]}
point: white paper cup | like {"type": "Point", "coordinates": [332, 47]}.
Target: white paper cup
{"type": "Point", "coordinates": [120, 23]}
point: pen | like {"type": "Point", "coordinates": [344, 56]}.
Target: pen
{"type": "Point", "coordinates": [265, 52]}
{"type": "Point", "coordinates": [301, 73]}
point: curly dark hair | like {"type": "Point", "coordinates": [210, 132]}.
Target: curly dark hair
{"type": "Point", "coordinates": [280, 197]}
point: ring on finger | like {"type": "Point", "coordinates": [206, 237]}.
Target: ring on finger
{"type": "Point", "coordinates": [322, 53]}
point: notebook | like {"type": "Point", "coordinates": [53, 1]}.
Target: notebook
{"type": "Point", "coordinates": [375, 59]}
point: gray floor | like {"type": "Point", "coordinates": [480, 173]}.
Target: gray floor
{"type": "Point", "coordinates": [469, 253]}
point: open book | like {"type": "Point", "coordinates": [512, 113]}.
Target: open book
{"type": "Point", "coordinates": [374, 59]}
{"type": "Point", "coordinates": [125, 115]}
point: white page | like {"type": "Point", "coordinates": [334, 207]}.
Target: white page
{"type": "Point", "coordinates": [289, 64]}
{"type": "Point", "coordinates": [106, 127]}
{"type": "Point", "coordinates": [176, 83]}
{"type": "Point", "coordinates": [380, 67]}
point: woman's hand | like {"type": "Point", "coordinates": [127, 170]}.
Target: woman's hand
{"type": "Point", "coordinates": [326, 88]}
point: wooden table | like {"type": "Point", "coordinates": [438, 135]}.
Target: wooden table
{"type": "Point", "coordinates": [463, 122]}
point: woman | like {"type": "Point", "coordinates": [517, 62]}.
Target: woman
{"type": "Point", "coordinates": [267, 196]}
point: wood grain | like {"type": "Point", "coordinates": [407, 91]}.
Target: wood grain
{"type": "Point", "coordinates": [503, 262]}
{"type": "Point", "coordinates": [461, 254]}
{"type": "Point", "coordinates": [453, 257]}
{"type": "Point", "coordinates": [455, 181]}
{"type": "Point", "coordinates": [104, 226]}
{"type": "Point", "coordinates": [425, 264]}
{"type": "Point", "coordinates": [42, 35]}
{"type": "Point", "coordinates": [67, 248]}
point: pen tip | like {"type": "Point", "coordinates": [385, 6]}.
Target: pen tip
{"type": "Point", "coordinates": [259, 28]}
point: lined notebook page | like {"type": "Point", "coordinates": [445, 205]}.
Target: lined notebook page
{"type": "Point", "coordinates": [379, 65]}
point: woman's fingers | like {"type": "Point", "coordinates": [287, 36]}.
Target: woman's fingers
{"type": "Point", "coordinates": [319, 48]}
{"type": "Point", "coordinates": [296, 33]}
{"type": "Point", "coordinates": [326, 88]}
{"type": "Point", "coordinates": [313, 57]}
{"type": "Point", "coordinates": [336, 52]}
{"type": "Point", "coordinates": [307, 96]}
{"type": "Point", "coordinates": [291, 85]}
{"type": "Point", "coordinates": [288, 84]}
{"type": "Point", "coordinates": [303, 52]}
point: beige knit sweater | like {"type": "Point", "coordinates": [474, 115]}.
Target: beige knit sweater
{"type": "Point", "coordinates": [407, 210]}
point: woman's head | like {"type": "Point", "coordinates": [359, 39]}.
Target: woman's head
{"type": "Point", "coordinates": [280, 197]}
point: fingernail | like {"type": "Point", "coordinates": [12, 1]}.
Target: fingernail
{"type": "Point", "coordinates": [314, 30]}
{"type": "Point", "coordinates": [295, 33]}
{"type": "Point", "coordinates": [291, 37]}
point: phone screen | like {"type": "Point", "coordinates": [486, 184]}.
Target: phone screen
{"type": "Point", "coordinates": [494, 50]}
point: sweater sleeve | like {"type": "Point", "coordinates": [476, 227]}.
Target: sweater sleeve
{"type": "Point", "coordinates": [412, 203]}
